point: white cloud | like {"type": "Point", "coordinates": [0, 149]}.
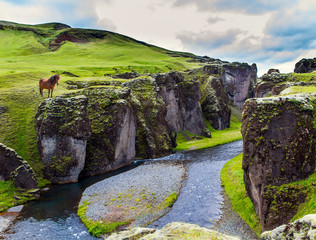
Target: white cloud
{"type": "Point", "coordinates": [24, 13]}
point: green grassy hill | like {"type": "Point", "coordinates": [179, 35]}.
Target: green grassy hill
{"type": "Point", "coordinates": [81, 56]}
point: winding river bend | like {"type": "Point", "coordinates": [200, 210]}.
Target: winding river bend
{"type": "Point", "coordinates": [54, 215]}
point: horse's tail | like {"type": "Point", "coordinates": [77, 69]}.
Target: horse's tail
{"type": "Point", "coordinates": [40, 89]}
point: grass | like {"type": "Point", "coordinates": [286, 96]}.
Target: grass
{"type": "Point", "coordinates": [232, 180]}
{"type": "Point", "coordinates": [11, 196]}
{"type": "Point", "coordinates": [299, 90]}
{"type": "Point", "coordinates": [219, 137]}
{"type": "Point", "coordinates": [97, 228]}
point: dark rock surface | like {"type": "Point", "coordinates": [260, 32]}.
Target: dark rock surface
{"type": "Point", "coordinates": [239, 80]}
{"type": "Point", "coordinates": [279, 147]}
{"type": "Point", "coordinates": [182, 99]}
{"type": "Point", "coordinates": [113, 123]}
{"type": "Point", "coordinates": [63, 128]}
{"type": "Point", "coordinates": [271, 84]}
{"type": "Point", "coordinates": [215, 106]}
{"type": "Point", "coordinates": [153, 136]}
{"type": "Point", "coordinates": [127, 75]}
{"type": "Point", "coordinates": [305, 65]}
{"type": "Point", "coordinates": [13, 167]}
{"type": "Point", "coordinates": [273, 70]}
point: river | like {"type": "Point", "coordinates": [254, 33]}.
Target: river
{"type": "Point", "coordinates": [53, 216]}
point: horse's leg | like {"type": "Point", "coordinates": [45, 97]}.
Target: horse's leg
{"type": "Point", "coordinates": [48, 92]}
{"type": "Point", "coordinates": [52, 93]}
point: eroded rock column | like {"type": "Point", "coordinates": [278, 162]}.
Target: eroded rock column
{"type": "Point", "coordinates": [279, 148]}
{"type": "Point", "coordinates": [63, 128]}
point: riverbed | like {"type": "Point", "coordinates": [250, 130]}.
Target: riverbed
{"type": "Point", "coordinates": [200, 200]}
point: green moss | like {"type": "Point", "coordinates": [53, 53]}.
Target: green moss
{"type": "Point", "coordinates": [170, 200]}
{"type": "Point", "coordinates": [59, 164]}
{"type": "Point", "coordinates": [97, 228]}
{"type": "Point", "coordinates": [10, 196]}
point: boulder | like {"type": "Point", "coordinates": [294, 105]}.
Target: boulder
{"type": "Point", "coordinates": [305, 65]}
{"type": "Point", "coordinates": [273, 70]}
{"type": "Point", "coordinates": [63, 128]}
{"type": "Point", "coordinates": [113, 124]}
{"type": "Point", "coordinates": [175, 230]}
{"type": "Point", "coordinates": [182, 100]}
{"type": "Point", "coordinates": [239, 80]}
{"type": "Point", "coordinates": [13, 167]}
{"type": "Point", "coordinates": [304, 228]}
{"type": "Point", "coordinates": [279, 148]}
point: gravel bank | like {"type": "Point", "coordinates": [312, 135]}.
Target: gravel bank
{"type": "Point", "coordinates": [230, 223]}
{"type": "Point", "coordinates": [140, 195]}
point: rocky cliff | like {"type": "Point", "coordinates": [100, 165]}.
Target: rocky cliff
{"type": "Point", "coordinates": [182, 99]}
{"type": "Point", "coordinates": [239, 80]}
{"type": "Point", "coordinates": [13, 167]}
{"type": "Point", "coordinates": [63, 128]}
{"type": "Point", "coordinates": [279, 147]}
{"type": "Point", "coordinates": [113, 124]}
{"type": "Point", "coordinates": [99, 129]}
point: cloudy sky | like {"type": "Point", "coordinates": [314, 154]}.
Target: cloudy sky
{"type": "Point", "coordinates": [271, 33]}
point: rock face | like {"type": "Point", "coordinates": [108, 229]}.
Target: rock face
{"type": "Point", "coordinates": [279, 147]}
{"type": "Point", "coordinates": [63, 128]}
{"type": "Point", "coordinates": [153, 137]}
{"type": "Point", "coordinates": [113, 123]}
{"type": "Point", "coordinates": [271, 84]}
{"type": "Point", "coordinates": [304, 228]}
{"type": "Point", "coordinates": [305, 65]}
{"type": "Point", "coordinates": [239, 80]}
{"type": "Point", "coordinates": [182, 100]}
{"type": "Point", "coordinates": [215, 106]}
{"type": "Point", "coordinates": [13, 167]}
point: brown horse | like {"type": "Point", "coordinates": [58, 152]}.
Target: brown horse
{"type": "Point", "coordinates": [48, 84]}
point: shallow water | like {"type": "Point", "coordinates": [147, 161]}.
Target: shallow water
{"type": "Point", "coordinates": [54, 215]}
{"type": "Point", "coordinates": [200, 199]}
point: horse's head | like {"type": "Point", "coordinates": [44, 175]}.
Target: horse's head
{"type": "Point", "coordinates": [57, 79]}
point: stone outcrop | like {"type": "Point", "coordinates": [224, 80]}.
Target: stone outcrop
{"type": "Point", "coordinates": [13, 167]}
{"type": "Point", "coordinates": [271, 84]}
{"type": "Point", "coordinates": [304, 228]}
{"type": "Point", "coordinates": [182, 100]}
{"type": "Point", "coordinates": [176, 229]}
{"type": "Point", "coordinates": [215, 106]}
{"type": "Point", "coordinates": [153, 137]}
{"type": "Point", "coordinates": [113, 123]}
{"type": "Point", "coordinates": [279, 147]}
{"type": "Point", "coordinates": [63, 128]}
{"type": "Point", "coordinates": [239, 80]}
{"type": "Point", "coordinates": [273, 70]}
{"type": "Point", "coordinates": [305, 65]}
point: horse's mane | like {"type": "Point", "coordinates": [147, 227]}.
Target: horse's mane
{"type": "Point", "coordinates": [53, 79]}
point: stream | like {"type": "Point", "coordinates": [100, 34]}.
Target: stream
{"type": "Point", "coordinates": [53, 216]}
